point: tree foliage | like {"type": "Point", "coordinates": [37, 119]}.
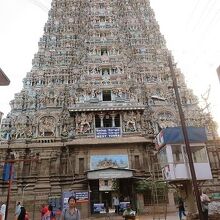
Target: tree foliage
{"type": "Point", "coordinates": [144, 185]}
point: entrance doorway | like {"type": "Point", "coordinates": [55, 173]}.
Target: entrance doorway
{"type": "Point", "coordinates": [124, 192]}
{"type": "Point", "coordinates": [106, 198]}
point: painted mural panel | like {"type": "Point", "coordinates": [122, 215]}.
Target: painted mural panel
{"type": "Point", "coordinates": [106, 161]}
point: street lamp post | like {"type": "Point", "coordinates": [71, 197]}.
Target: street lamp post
{"type": "Point", "coordinates": [186, 140]}
{"type": "Point", "coordinates": [23, 190]}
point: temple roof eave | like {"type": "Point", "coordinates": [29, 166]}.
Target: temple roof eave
{"type": "Point", "coordinates": [77, 142]}
{"type": "Point", "coordinates": [101, 108]}
{"type": "Point", "coordinates": [117, 140]}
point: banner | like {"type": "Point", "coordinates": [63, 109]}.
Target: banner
{"type": "Point", "coordinates": [98, 208]}
{"type": "Point", "coordinates": [55, 201]}
{"type": "Point", "coordinates": [6, 172]}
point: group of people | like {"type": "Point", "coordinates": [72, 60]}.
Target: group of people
{"type": "Point", "coordinates": [69, 213]}
{"type": "Point", "coordinates": [205, 200]}
{"type": "Point", "coordinates": [47, 212]}
{"type": "Point", "coordinates": [72, 213]}
{"type": "Point", "coordinates": [20, 212]}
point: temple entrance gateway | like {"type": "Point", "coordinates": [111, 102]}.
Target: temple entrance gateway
{"type": "Point", "coordinates": [103, 190]}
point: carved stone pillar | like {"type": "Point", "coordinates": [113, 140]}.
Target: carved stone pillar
{"type": "Point", "coordinates": [86, 153]}
{"type": "Point", "coordinates": [132, 157]}
{"type": "Point", "coordinates": [113, 119]}
{"type": "Point", "coordinates": [43, 181]}
{"type": "Point", "coordinates": [101, 116]}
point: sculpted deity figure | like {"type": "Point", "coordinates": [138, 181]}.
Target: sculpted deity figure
{"type": "Point", "coordinates": [93, 71]}
{"type": "Point", "coordinates": [114, 51]}
{"type": "Point", "coordinates": [105, 72]}
{"type": "Point", "coordinates": [118, 70]}
{"type": "Point", "coordinates": [83, 123]}
{"type": "Point", "coordinates": [130, 121]}
{"type": "Point", "coordinates": [47, 126]}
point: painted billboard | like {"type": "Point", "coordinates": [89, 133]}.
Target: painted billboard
{"type": "Point", "coordinates": [107, 161]}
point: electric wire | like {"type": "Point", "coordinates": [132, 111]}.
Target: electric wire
{"type": "Point", "coordinates": [193, 12]}
{"type": "Point", "coordinates": [40, 4]}
{"type": "Point", "coordinates": [204, 14]}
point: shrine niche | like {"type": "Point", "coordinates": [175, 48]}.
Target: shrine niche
{"type": "Point", "coordinates": [165, 119]}
{"type": "Point", "coordinates": [131, 121]}
{"type": "Point", "coordinates": [47, 126]}
{"type": "Point", "coordinates": [83, 123]}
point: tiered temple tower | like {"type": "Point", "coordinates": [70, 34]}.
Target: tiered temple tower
{"type": "Point", "coordinates": [99, 91]}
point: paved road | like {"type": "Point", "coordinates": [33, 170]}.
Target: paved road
{"type": "Point", "coordinates": [170, 216]}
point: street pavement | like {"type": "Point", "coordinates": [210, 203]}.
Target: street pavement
{"type": "Point", "coordinates": [170, 216]}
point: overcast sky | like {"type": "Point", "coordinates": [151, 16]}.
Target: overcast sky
{"type": "Point", "coordinates": [190, 27]}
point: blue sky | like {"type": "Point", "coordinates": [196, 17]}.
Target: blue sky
{"type": "Point", "coordinates": [190, 27]}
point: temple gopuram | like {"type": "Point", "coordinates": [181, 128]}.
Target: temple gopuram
{"type": "Point", "coordinates": [99, 91]}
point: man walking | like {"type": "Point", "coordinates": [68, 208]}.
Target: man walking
{"type": "Point", "coordinates": [205, 205]}
{"type": "Point", "coordinates": [2, 210]}
{"type": "Point", "coordinates": [116, 204]}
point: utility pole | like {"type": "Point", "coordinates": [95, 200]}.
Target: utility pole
{"type": "Point", "coordinates": [11, 164]}
{"type": "Point", "coordinates": [10, 179]}
{"type": "Point", "coordinates": [186, 140]}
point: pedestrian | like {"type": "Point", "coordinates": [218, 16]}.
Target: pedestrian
{"type": "Point", "coordinates": [2, 210]}
{"type": "Point", "coordinates": [205, 204]}
{"type": "Point", "coordinates": [116, 204]}
{"type": "Point", "coordinates": [181, 208]}
{"type": "Point", "coordinates": [71, 212]}
{"type": "Point", "coordinates": [47, 213]}
{"type": "Point", "coordinates": [22, 214]}
{"type": "Point", "coordinates": [128, 213]}
{"type": "Point", "coordinates": [58, 214]}
{"type": "Point", "coordinates": [17, 210]}
{"type": "Point", "coordinates": [27, 216]}
{"type": "Point", "coordinates": [52, 214]}
{"type": "Point", "coordinates": [44, 209]}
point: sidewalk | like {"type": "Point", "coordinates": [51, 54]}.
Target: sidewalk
{"type": "Point", "coordinates": [170, 216]}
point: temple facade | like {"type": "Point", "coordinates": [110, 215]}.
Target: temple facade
{"type": "Point", "coordinates": [99, 91]}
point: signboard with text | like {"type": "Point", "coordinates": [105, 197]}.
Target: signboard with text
{"type": "Point", "coordinates": [81, 197]}
{"type": "Point", "coordinates": [55, 201]}
{"type": "Point", "coordinates": [108, 132]}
